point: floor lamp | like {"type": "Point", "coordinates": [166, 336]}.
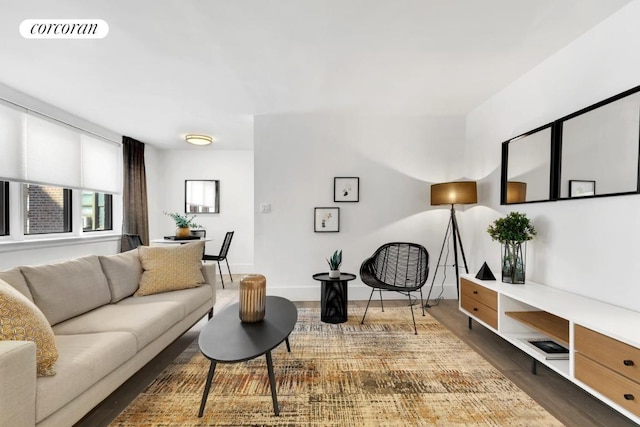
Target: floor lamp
{"type": "Point", "coordinates": [453, 193]}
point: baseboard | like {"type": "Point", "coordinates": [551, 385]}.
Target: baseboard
{"type": "Point", "coordinates": [355, 293]}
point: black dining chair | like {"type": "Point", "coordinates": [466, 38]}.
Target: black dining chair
{"type": "Point", "coordinates": [222, 256]}
{"type": "Point", "coordinates": [200, 232]}
{"type": "Point", "coordinates": [130, 241]}
{"type": "Point", "coordinates": [397, 267]}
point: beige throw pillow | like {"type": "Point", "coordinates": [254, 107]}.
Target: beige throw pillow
{"type": "Point", "coordinates": [21, 320]}
{"type": "Point", "coordinates": [170, 268]}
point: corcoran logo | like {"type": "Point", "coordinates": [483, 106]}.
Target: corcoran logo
{"type": "Point", "coordinates": [64, 29]}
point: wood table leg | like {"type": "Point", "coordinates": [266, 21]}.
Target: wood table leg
{"type": "Point", "coordinates": [272, 383]}
{"type": "Point", "coordinates": [207, 387]}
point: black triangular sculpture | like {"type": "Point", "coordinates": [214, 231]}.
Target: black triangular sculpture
{"type": "Point", "coordinates": [485, 273]}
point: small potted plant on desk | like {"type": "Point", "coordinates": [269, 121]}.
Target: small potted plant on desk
{"type": "Point", "coordinates": [512, 231]}
{"type": "Point", "coordinates": [334, 264]}
{"type": "Point", "coordinates": [184, 223]}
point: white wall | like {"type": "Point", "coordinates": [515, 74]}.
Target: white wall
{"type": "Point", "coordinates": [396, 158]}
{"type": "Point", "coordinates": [585, 246]}
{"type": "Point", "coordinates": [166, 172]}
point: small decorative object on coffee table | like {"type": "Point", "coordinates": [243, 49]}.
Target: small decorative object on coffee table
{"type": "Point", "coordinates": [225, 339]}
{"type": "Point", "coordinates": [253, 295]}
{"type": "Point", "coordinates": [512, 231]}
{"type": "Point", "coordinates": [334, 297]}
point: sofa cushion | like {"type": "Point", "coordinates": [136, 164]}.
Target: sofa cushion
{"type": "Point", "coordinates": [146, 322]}
{"type": "Point", "coordinates": [170, 268]}
{"type": "Point", "coordinates": [21, 320]}
{"type": "Point", "coordinates": [123, 273]}
{"type": "Point", "coordinates": [15, 278]}
{"type": "Point", "coordinates": [67, 289]}
{"type": "Point", "coordinates": [190, 299]}
{"type": "Point", "coordinates": [84, 360]}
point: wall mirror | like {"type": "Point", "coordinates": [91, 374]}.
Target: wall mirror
{"type": "Point", "coordinates": [600, 150]}
{"type": "Point", "coordinates": [593, 152]}
{"type": "Point", "coordinates": [529, 167]}
{"type": "Point", "coordinates": [202, 196]}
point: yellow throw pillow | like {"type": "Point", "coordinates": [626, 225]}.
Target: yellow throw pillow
{"type": "Point", "coordinates": [170, 268]}
{"type": "Point", "coordinates": [21, 320]}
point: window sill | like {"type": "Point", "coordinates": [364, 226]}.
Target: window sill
{"type": "Point", "coordinates": [14, 245]}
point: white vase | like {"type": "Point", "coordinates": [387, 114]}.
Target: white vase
{"type": "Point", "coordinates": [334, 274]}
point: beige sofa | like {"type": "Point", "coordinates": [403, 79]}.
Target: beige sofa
{"type": "Point", "coordinates": [103, 334]}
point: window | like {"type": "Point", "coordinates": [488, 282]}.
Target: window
{"type": "Point", "coordinates": [4, 208]}
{"type": "Point", "coordinates": [47, 209]}
{"type": "Point", "coordinates": [96, 211]}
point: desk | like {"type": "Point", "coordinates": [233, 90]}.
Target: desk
{"type": "Point", "coordinates": [334, 297]}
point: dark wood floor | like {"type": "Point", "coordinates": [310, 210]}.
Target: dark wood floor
{"type": "Point", "coordinates": [564, 400]}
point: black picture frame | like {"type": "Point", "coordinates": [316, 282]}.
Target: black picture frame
{"type": "Point", "coordinates": [326, 220]}
{"type": "Point", "coordinates": [202, 196]}
{"type": "Point", "coordinates": [581, 188]}
{"type": "Point", "coordinates": [346, 189]}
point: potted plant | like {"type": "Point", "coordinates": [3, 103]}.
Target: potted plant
{"type": "Point", "coordinates": [334, 264]}
{"type": "Point", "coordinates": [512, 231]}
{"type": "Point", "coordinates": [184, 223]}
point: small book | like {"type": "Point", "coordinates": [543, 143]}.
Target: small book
{"type": "Point", "coordinates": [551, 349]}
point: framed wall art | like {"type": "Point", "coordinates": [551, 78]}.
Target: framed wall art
{"type": "Point", "coordinates": [326, 220]}
{"type": "Point", "coordinates": [346, 189]}
{"type": "Point", "coordinates": [578, 188]}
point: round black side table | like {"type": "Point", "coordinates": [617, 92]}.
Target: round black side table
{"type": "Point", "coordinates": [333, 297]}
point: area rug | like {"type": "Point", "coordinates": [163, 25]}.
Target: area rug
{"type": "Point", "coordinates": [376, 374]}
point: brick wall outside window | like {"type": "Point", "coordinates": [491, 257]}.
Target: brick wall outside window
{"type": "Point", "coordinates": [45, 209]}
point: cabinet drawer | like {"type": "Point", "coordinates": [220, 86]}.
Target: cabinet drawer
{"type": "Point", "coordinates": [616, 355]}
{"type": "Point", "coordinates": [479, 293]}
{"type": "Point", "coordinates": [479, 310]}
{"type": "Point", "coordinates": [621, 390]}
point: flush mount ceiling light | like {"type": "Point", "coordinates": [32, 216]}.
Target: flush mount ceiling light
{"type": "Point", "coordinates": [196, 139]}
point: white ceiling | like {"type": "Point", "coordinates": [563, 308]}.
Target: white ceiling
{"type": "Point", "coordinates": [172, 67]}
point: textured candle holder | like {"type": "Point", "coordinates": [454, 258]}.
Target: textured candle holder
{"type": "Point", "coordinates": [253, 294]}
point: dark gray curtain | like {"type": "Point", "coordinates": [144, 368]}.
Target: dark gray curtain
{"type": "Point", "coordinates": [134, 201]}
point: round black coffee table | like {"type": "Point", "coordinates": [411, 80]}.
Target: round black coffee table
{"type": "Point", "coordinates": [225, 339]}
{"type": "Point", "coordinates": [334, 297]}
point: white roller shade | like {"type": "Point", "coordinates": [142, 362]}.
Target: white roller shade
{"type": "Point", "coordinates": [101, 165]}
{"type": "Point", "coordinates": [12, 159]}
{"type": "Point", "coordinates": [34, 148]}
{"type": "Point", "coordinates": [53, 153]}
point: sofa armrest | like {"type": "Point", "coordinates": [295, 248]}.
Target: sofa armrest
{"type": "Point", "coordinates": [18, 379]}
{"type": "Point", "coordinates": [209, 273]}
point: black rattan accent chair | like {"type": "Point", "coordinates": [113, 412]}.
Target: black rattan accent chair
{"type": "Point", "coordinates": [222, 256]}
{"type": "Point", "coordinates": [398, 267]}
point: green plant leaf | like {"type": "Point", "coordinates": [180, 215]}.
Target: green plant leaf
{"type": "Point", "coordinates": [515, 227]}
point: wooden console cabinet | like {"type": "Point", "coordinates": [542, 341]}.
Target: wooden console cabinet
{"type": "Point", "coordinates": [603, 339]}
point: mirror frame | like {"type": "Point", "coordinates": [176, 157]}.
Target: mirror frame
{"type": "Point", "coordinates": [556, 155]}
{"type": "Point", "coordinates": [216, 208]}
{"type": "Point", "coordinates": [505, 166]}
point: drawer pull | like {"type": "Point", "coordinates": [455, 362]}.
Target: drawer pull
{"type": "Point", "coordinates": [475, 292]}
{"type": "Point", "coordinates": [628, 362]}
{"type": "Point", "coordinates": [475, 308]}
{"type": "Point", "coordinates": [629, 397]}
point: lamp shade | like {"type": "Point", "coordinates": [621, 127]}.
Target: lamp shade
{"type": "Point", "coordinates": [516, 192]}
{"type": "Point", "coordinates": [454, 193]}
